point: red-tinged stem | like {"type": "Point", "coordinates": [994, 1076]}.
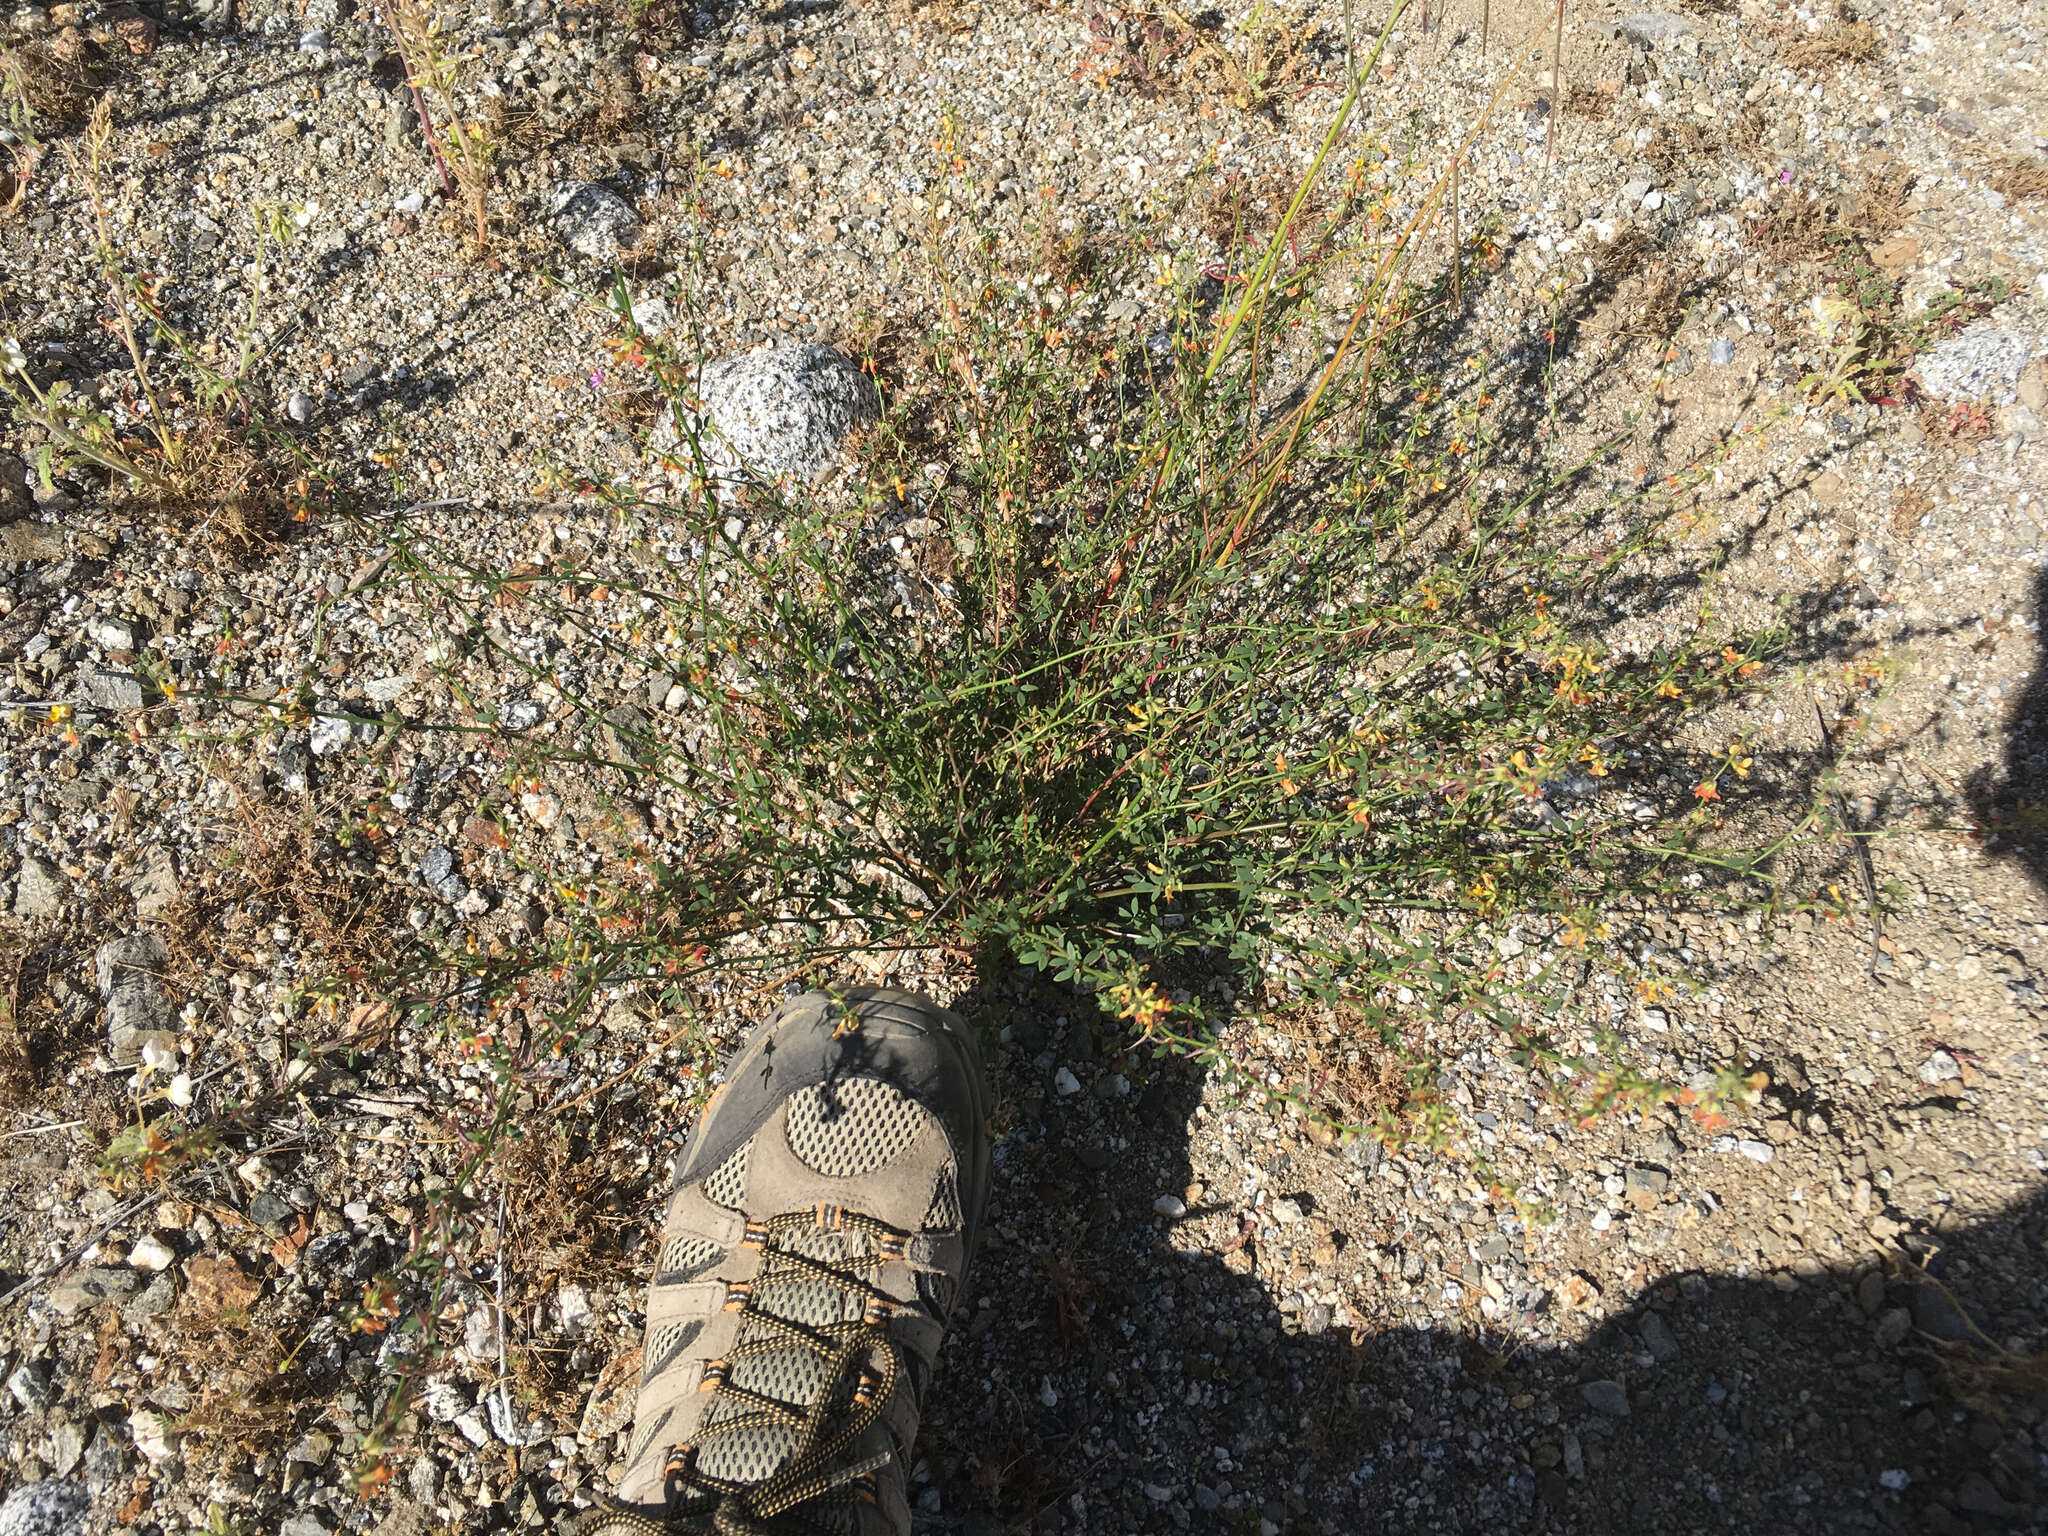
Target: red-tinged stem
{"type": "Point", "coordinates": [419, 105]}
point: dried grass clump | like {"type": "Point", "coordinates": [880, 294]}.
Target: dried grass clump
{"type": "Point", "coordinates": [277, 869]}
{"type": "Point", "coordinates": [2023, 176]}
{"type": "Point", "coordinates": [1844, 42]}
{"type": "Point", "coordinates": [1881, 205]}
{"type": "Point", "coordinates": [50, 84]}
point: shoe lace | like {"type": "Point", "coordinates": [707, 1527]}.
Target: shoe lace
{"type": "Point", "coordinates": [862, 1364]}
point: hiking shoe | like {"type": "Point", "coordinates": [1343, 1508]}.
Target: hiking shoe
{"type": "Point", "coordinates": [823, 1216]}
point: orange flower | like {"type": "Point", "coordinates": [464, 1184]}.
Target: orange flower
{"type": "Point", "coordinates": [380, 1305]}
{"type": "Point", "coordinates": [1531, 786]}
{"type": "Point", "coordinates": [1706, 789]}
{"type": "Point", "coordinates": [1143, 1006]}
{"type": "Point", "coordinates": [371, 1477]}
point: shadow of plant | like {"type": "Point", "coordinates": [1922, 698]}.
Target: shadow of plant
{"type": "Point", "coordinates": [1117, 1358]}
{"type": "Point", "coordinates": [2010, 799]}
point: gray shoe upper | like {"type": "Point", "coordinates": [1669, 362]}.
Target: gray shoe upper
{"type": "Point", "coordinates": [817, 1238]}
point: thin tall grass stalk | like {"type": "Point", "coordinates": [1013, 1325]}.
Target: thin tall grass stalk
{"type": "Point", "coordinates": [1457, 245]}
{"type": "Point", "coordinates": [1556, 90]}
{"type": "Point", "coordinates": [425, 119]}
{"type": "Point", "coordinates": [1258, 285]}
{"type": "Point", "coordinates": [1370, 304]}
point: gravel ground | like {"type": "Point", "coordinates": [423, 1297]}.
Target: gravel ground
{"type": "Point", "coordinates": [1194, 1312]}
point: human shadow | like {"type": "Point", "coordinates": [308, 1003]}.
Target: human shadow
{"type": "Point", "coordinates": [1124, 1368]}
{"type": "Point", "coordinates": [2009, 799]}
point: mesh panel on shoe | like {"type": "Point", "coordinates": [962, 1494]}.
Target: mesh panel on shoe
{"type": "Point", "coordinates": [816, 1303]}
{"type": "Point", "coordinates": [688, 1257]}
{"type": "Point", "coordinates": [937, 1293]}
{"type": "Point", "coordinates": [727, 1185]}
{"type": "Point", "coordinates": [666, 1344]}
{"type": "Point", "coordinates": [746, 1458]}
{"type": "Point", "coordinates": [944, 1215]}
{"type": "Point", "coordinates": [788, 1376]}
{"type": "Point", "coordinates": [852, 1127]}
{"type": "Point", "coordinates": [794, 1376]}
{"type": "Point", "coordinates": [644, 1436]}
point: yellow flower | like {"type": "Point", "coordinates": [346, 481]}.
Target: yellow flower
{"type": "Point", "coordinates": [1832, 315]}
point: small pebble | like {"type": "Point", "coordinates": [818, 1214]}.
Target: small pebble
{"type": "Point", "coordinates": [1939, 1068]}
{"type": "Point", "coordinates": [152, 1253]}
{"type": "Point", "coordinates": [1606, 1397]}
{"type": "Point", "coordinates": [329, 735]}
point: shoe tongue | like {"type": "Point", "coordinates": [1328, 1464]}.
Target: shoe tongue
{"type": "Point", "coordinates": [767, 1364]}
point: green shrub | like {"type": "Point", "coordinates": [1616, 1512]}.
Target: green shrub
{"type": "Point", "coordinates": [1233, 662]}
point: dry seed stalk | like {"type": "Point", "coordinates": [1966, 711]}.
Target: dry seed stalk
{"type": "Point", "coordinates": [1416, 229]}
{"type": "Point", "coordinates": [462, 151]}
{"type": "Point", "coordinates": [1556, 90]}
